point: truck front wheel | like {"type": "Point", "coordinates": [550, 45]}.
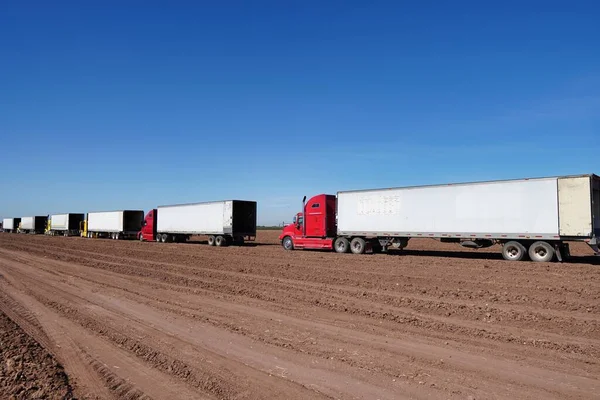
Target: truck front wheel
{"type": "Point", "coordinates": [287, 243]}
{"type": "Point", "coordinates": [358, 245]}
{"type": "Point", "coordinates": [341, 245]}
{"type": "Point", "coordinates": [513, 251]}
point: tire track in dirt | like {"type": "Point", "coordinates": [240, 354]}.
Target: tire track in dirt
{"type": "Point", "coordinates": [269, 289]}
{"type": "Point", "coordinates": [325, 305]}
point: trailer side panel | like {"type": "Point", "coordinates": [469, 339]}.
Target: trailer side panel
{"type": "Point", "coordinates": [500, 208]}
{"type": "Point", "coordinates": [200, 218]}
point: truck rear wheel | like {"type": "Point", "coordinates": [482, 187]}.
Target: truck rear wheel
{"type": "Point", "coordinates": [158, 237]}
{"type": "Point", "coordinates": [220, 241]}
{"type": "Point", "coordinates": [211, 240]}
{"type": "Point", "coordinates": [513, 251]}
{"type": "Point", "coordinates": [541, 252]}
{"type": "Point", "coordinates": [341, 245]}
{"type": "Point", "coordinates": [358, 245]}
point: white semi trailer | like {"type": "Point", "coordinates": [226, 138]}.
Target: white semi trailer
{"type": "Point", "coordinates": [528, 217]}
{"type": "Point", "coordinates": [224, 222]}
{"type": "Point", "coordinates": [33, 225]}
{"type": "Point", "coordinates": [65, 224]}
{"type": "Point", "coordinates": [123, 224]}
{"type": "Point", "coordinates": [11, 225]}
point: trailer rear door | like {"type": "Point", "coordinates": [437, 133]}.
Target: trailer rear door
{"type": "Point", "coordinates": [575, 206]}
{"type": "Point", "coordinates": [596, 204]}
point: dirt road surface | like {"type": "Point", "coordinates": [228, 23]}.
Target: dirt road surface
{"type": "Point", "coordinates": [131, 320]}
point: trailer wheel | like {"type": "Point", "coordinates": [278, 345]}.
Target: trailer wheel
{"type": "Point", "coordinates": [513, 251]}
{"type": "Point", "coordinates": [163, 238]}
{"type": "Point", "coordinates": [341, 245]}
{"type": "Point", "coordinates": [541, 252]}
{"type": "Point", "coordinates": [211, 240]}
{"type": "Point", "coordinates": [358, 245]}
{"type": "Point", "coordinates": [220, 241]}
{"type": "Point", "coordinates": [118, 236]}
{"type": "Point", "coordinates": [158, 237]}
{"type": "Point", "coordinates": [287, 243]}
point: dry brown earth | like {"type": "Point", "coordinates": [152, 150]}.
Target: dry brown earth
{"type": "Point", "coordinates": [133, 320]}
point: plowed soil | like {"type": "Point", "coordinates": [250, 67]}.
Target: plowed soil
{"type": "Point", "coordinates": [131, 320]}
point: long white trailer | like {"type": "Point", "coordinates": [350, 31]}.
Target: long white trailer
{"type": "Point", "coordinates": [224, 222]}
{"type": "Point", "coordinates": [539, 214]}
{"type": "Point", "coordinates": [10, 225]}
{"type": "Point", "coordinates": [65, 224]}
{"type": "Point", "coordinates": [35, 224]}
{"type": "Point", "coordinates": [124, 224]}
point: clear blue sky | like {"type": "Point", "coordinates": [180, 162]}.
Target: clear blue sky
{"type": "Point", "coordinates": [132, 104]}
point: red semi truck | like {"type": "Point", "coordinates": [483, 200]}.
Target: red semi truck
{"type": "Point", "coordinates": [528, 217]}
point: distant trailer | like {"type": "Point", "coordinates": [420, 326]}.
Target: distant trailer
{"type": "Point", "coordinates": [33, 225]}
{"type": "Point", "coordinates": [224, 222]}
{"type": "Point", "coordinates": [124, 224]}
{"type": "Point", "coordinates": [65, 224]}
{"type": "Point", "coordinates": [10, 225]}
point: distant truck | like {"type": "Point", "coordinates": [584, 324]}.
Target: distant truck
{"type": "Point", "coordinates": [532, 218]}
{"type": "Point", "coordinates": [124, 224]}
{"type": "Point", "coordinates": [33, 225]}
{"type": "Point", "coordinates": [11, 225]}
{"type": "Point", "coordinates": [65, 224]}
{"type": "Point", "coordinates": [225, 222]}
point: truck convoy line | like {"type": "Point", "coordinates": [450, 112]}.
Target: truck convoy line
{"type": "Point", "coordinates": [533, 218]}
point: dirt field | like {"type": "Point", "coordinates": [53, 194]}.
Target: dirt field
{"type": "Point", "coordinates": [131, 320]}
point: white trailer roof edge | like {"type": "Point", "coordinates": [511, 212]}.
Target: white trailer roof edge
{"type": "Point", "coordinates": [470, 183]}
{"type": "Point", "coordinates": [94, 212]}
{"type": "Point", "coordinates": [205, 202]}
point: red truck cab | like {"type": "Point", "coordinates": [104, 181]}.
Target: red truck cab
{"type": "Point", "coordinates": [148, 231]}
{"type": "Point", "coordinates": [315, 227]}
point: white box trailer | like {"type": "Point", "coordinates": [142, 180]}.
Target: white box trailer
{"type": "Point", "coordinates": [536, 214]}
{"type": "Point", "coordinates": [65, 224]}
{"type": "Point", "coordinates": [225, 222]}
{"type": "Point", "coordinates": [124, 224]}
{"type": "Point", "coordinates": [10, 225]}
{"type": "Point", "coordinates": [32, 225]}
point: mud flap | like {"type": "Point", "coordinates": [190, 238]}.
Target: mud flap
{"type": "Point", "coordinates": [558, 252]}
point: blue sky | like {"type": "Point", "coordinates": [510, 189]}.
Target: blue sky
{"type": "Point", "coordinates": [131, 104]}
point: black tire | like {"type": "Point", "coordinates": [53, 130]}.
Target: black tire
{"type": "Point", "coordinates": [158, 237]}
{"type": "Point", "coordinates": [358, 245]}
{"type": "Point", "coordinates": [211, 240]}
{"type": "Point", "coordinates": [287, 243]}
{"type": "Point", "coordinates": [163, 238]}
{"type": "Point", "coordinates": [513, 251]}
{"type": "Point", "coordinates": [541, 252]}
{"type": "Point", "coordinates": [118, 236]}
{"type": "Point", "coordinates": [141, 237]}
{"type": "Point", "coordinates": [341, 245]}
{"type": "Point", "coordinates": [220, 241]}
